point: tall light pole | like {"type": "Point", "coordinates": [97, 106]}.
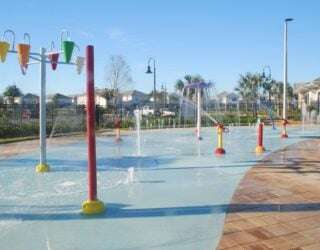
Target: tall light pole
{"type": "Point", "coordinates": [149, 71]}
{"type": "Point", "coordinates": [285, 75]}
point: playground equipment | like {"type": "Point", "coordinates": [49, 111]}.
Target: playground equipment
{"type": "Point", "coordinates": [67, 46]}
{"type": "Point", "coordinates": [92, 205]}
{"type": "Point", "coordinates": [284, 133]}
{"type": "Point", "coordinates": [53, 57]}
{"type": "Point", "coordinates": [5, 46]}
{"type": "Point", "coordinates": [23, 50]}
{"type": "Point", "coordinates": [117, 126]}
{"type": "Point", "coordinates": [138, 116]}
{"type": "Point", "coordinates": [220, 150]}
{"type": "Point", "coordinates": [268, 106]}
{"type": "Point", "coordinates": [198, 86]}
{"type": "Point", "coordinates": [260, 148]}
{"type": "Point", "coordinates": [80, 60]}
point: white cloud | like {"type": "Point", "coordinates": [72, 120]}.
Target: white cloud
{"type": "Point", "coordinates": [126, 40]}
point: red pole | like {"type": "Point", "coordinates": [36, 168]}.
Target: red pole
{"type": "Point", "coordinates": [92, 177]}
{"type": "Point", "coordinates": [260, 135]}
{"type": "Point", "coordinates": [260, 148]}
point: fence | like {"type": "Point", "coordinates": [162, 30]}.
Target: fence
{"type": "Point", "coordinates": [23, 120]}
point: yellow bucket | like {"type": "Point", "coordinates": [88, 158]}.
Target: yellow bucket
{"type": "Point", "coordinates": [4, 48]}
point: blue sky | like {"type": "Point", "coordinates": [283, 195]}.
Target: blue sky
{"type": "Point", "coordinates": [217, 39]}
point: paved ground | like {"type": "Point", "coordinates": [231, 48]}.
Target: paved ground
{"type": "Point", "coordinates": [277, 204]}
{"type": "Point", "coordinates": [11, 149]}
{"type": "Point", "coordinates": [15, 148]}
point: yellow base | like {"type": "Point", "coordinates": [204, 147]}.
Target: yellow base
{"type": "Point", "coordinates": [42, 168]}
{"type": "Point", "coordinates": [260, 149]}
{"type": "Point", "coordinates": [93, 207]}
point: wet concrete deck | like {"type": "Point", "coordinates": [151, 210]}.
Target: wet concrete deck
{"type": "Point", "coordinates": [277, 204]}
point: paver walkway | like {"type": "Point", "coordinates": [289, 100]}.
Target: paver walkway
{"type": "Point", "coordinates": [277, 204]}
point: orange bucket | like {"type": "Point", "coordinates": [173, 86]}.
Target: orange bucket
{"type": "Point", "coordinates": [23, 55]}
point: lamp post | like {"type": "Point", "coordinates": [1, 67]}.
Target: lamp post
{"type": "Point", "coordinates": [285, 75]}
{"type": "Point", "coordinates": [149, 71]}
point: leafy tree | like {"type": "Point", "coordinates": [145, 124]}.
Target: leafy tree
{"type": "Point", "coordinates": [11, 92]}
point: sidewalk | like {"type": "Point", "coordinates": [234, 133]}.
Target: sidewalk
{"type": "Point", "coordinates": [277, 204]}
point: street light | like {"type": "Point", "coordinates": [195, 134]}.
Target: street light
{"type": "Point", "coordinates": [149, 71]}
{"type": "Point", "coordinates": [285, 74]}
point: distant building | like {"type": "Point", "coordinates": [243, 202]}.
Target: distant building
{"type": "Point", "coordinates": [228, 98]}
{"type": "Point", "coordinates": [133, 98]}
{"type": "Point", "coordinates": [308, 93]}
{"type": "Point", "coordinates": [59, 100]}
{"type": "Point", "coordinates": [30, 99]}
{"type": "Point", "coordinates": [100, 99]}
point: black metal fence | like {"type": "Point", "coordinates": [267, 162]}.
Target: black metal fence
{"type": "Point", "coordinates": [23, 120]}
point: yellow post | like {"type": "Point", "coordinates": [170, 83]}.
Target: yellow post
{"type": "Point", "coordinates": [220, 150]}
{"type": "Point", "coordinates": [220, 137]}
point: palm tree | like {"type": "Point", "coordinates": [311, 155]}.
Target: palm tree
{"type": "Point", "coordinates": [179, 85]}
{"type": "Point", "coordinates": [248, 88]}
{"type": "Point", "coordinates": [188, 79]}
{"type": "Point", "coordinates": [267, 87]}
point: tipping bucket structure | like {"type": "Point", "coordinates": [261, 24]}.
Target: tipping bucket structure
{"type": "Point", "coordinates": [53, 57]}
{"type": "Point", "coordinates": [67, 46]}
{"type": "Point", "coordinates": [5, 46]}
{"type": "Point", "coordinates": [24, 53]}
{"type": "Point", "coordinates": [23, 50]}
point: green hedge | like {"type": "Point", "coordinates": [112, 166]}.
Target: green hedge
{"type": "Point", "coordinates": [11, 130]}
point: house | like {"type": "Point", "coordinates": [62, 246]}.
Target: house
{"type": "Point", "coordinates": [133, 98]}
{"type": "Point", "coordinates": [100, 99]}
{"type": "Point", "coordinates": [12, 100]}
{"type": "Point", "coordinates": [228, 98]}
{"type": "Point", "coordinates": [30, 99]}
{"type": "Point", "coordinates": [59, 100]}
{"type": "Point", "coordinates": [308, 93]}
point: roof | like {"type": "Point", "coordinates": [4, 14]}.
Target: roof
{"type": "Point", "coordinates": [30, 95]}
{"type": "Point", "coordinates": [225, 93]}
{"type": "Point", "coordinates": [58, 95]}
{"type": "Point", "coordinates": [131, 92]}
{"type": "Point", "coordinates": [201, 85]}
{"type": "Point", "coordinates": [307, 86]}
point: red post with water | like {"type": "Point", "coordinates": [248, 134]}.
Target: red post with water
{"type": "Point", "coordinates": [260, 148]}
{"type": "Point", "coordinates": [91, 138]}
{"type": "Point", "coordinates": [92, 205]}
{"type": "Point", "coordinates": [260, 135]}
